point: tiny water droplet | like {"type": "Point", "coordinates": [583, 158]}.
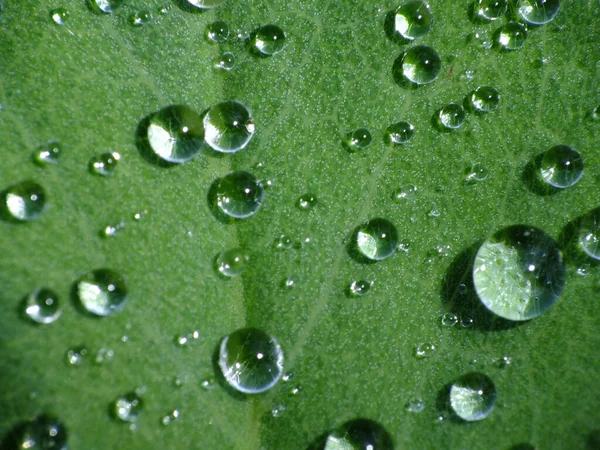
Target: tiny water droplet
{"type": "Point", "coordinates": [128, 407]}
{"type": "Point", "coordinates": [424, 350]}
{"type": "Point", "coordinates": [307, 202]}
{"type": "Point", "coordinates": [239, 194]}
{"type": "Point", "coordinates": [104, 6]}
{"type": "Point", "coordinates": [140, 215]}
{"type": "Point", "coordinates": [420, 65]}
{"type": "Point", "coordinates": [449, 319]}
{"type": "Point", "coordinates": [170, 418]}
{"type": "Point", "coordinates": [589, 234]}
{"type": "Point", "coordinates": [251, 360]}
{"type": "Point", "coordinates": [451, 116]}
{"type": "Point", "coordinates": [178, 382]}
{"type": "Point", "coordinates": [435, 211]}
{"type": "Point", "coordinates": [466, 321]}
{"type": "Point", "coordinates": [164, 10]}
{"type": "Point", "coordinates": [296, 390]}
{"type": "Point", "coordinates": [376, 239]}
{"type": "Point", "coordinates": [472, 396]}
{"type": "Point", "coordinates": [512, 36]}
{"type": "Point", "coordinates": [47, 153]}
{"type": "Point", "coordinates": [413, 19]}
{"type": "Point", "coordinates": [269, 40]}
{"type": "Point", "coordinates": [233, 262]}
{"type": "Point", "coordinates": [404, 246]}
{"type": "Point", "coordinates": [538, 12]}
{"type": "Point", "coordinates": [140, 18]}
{"type": "Point", "coordinates": [226, 61]}
{"type": "Point", "coordinates": [42, 306]}
{"type": "Point", "coordinates": [112, 230]}
{"type": "Point", "coordinates": [358, 139]}
{"type": "Point", "coordinates": [405, 192]}
{"type": "Point", "coordinates": [485, 99]}
{"type": "Point", "coordinates": [104, 355]}
{"type": "Point", "coordinates": [278, 410]}
{"type": "Point", "coordinates": [491, 9]}
{"type": "Point", "coordinates": [561, 166]}
{"type": "Point", "coordinates": [181, 341]}
{"type": "Point", "coordinates": [288, 283]}
{"type": "Point", "coordinates": [208, 383]}
{"type": "Point", "coordinates": [359, 288]}
{"type": "Point", "coordinates": [218, 31]}
{"type": "Point", "coordinates": [359, 434]}
{"type": "Point", "coordinates": [415, 406]}
{"type": "Point", "coordinates": [60, 16]}
{"type": "Point", "coordinates": [24, 201]}
{"type": "Point", "coordinates": [283, 242]}
{"type": "Point", "coordinates": [477, 172]}
{"type": "Point", "coordinates": [43, 432]}
{"type": "Point", "coordinates": [104, 164]}
{"type": "Point", "coordinates": [228, 127]}
{"type": "Point", "coordinates": [77, 355]}
{"type": "Point", "coordinates": [583, 271]}
{"type": "Point", "coordinates": [399, 133]}
{"type": "Point", "coordinates": [101, 292]}
{"type": "Point", "coordinates": [288, 376]}
{"type": "Point", "coordinates": [504, 361]}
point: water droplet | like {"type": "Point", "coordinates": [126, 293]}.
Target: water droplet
{"type": "Point", "coordinates": [128, 407]}
{"type": "Point", "coordinates": [462, 288]}
{"type": "Point", "coordinates": [226, 61]}
{"type": "Point", "coordinates": [164, 10]}
{"type": "Point", "coordinates": [595, 114]}
{"type": "Point", "coordinates": [359, 434]}
{"type": "Point", "coordinates": [288, 376]}
{"type": "Point", "coordinates": [485, 99]}
{"type": "Point", "coordinates": [435, 211]}
{"type": "Point", "coordinates": [512, 36]}
{"type": "Point", "coordinates": [589, 234]}
{"type": "Point", "coordinates": [307, 202]}
{"type": "Point", "coordinates": [140, 18]}
{"type": "Point", "coordinates": [278, 410]}
{"type": "Point", "coordinates": [503, 362]}
{"type": "Point", "coordinates": [288, 283]}
{"type": "Point", "coordinates": [218, 31]}
{"type": "Point", "coordinates": [283, 242]}
{"type": "Point", "coordinates": [491, 9]}
{"type": "Point", "coordinates": [399, 133]}
{"type": "Point", "coordinates": [239, 194]}
{"type": "Point", "coordinates": [449, 319]}
{"type": "Point", "coordinates": [359, 288]}
{"type": "Point", "coordinates": [477, 172]}
{"type": "Point", "coordinates": [420, 65]}
{"type": "Point", "coordinates": [358, 139]}
{"type": "Point", "coordinates": [538, 12]}
{"type": "Point", "coordinates": [377, 239]}
{"type": "Point", "coordinates": [42, 306]}
{"type": "Point", "coordinates": [178, 382]}
{"type": "Point", "coordinates": [48, 153]}
{"type": "Point", "coordinates": [232, 263]}
{"type": "Point", "coordinates": [519, 272]}
{"type": "Point", "coordinates": [451, 116]}
{"type": "Point", "coordinates": [472, 396]}
{"type": "Point", "coordinates": [60, 16]}
{"type": "Point", "coordinates": [104, 6]}
{"type": "Point", "coordinates": [204, 4]}
{"type": "Point", "coordinates": [424, 350]}
{"type": "Point", "coordinates": [181, 341]}
{"type": "Point", "coordinates": [415, 406]}
{"type": "Point", "coordinates": [101, 292]}
{"type": "Point", "coordinates": [77, 355]}
{"type": "Point", "coordinates": [169, 418]}
{"type": "Point", "coordinates": [561, 166]}
{"type": "Point", "coordinates": [466, 321]}
{"type": "Point", "coordinates": [405, 192]}
{"type": "Point", "coordinates": [43, 432]}
{"type": "Point", "coordinates": [413, 19]}
{"type": "Point", "coordinates": [269, 40]}
{"type": "Point", "coordinates": [251, 360]}
{"type": "Point", "coordinates": [208, 383]}
{"type": "Point", "coordinates": [112, 230]}
{"type": "Point", "coordinates": [104, 355]}
{"type": "Point", "coordinates": [104, 164]}
{"type": "Point", "coordinates": [294, 391]}
{"type": "Point", "coordinates": [228, 127]}
{"type": "Point", "coordinates": [404, 246]}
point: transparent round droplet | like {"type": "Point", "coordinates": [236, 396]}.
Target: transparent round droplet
{"type": "Point", "coordinates": [269, 40]}
{"type": "Point", "coordinates": [561, 166]}
{"type": "Point", "coordinates": [359, 288]}
{"type": "Point", "coordinates": [128, 407]}
{"type": "Point", "coordinates": [112, 230]}
{"type": "Point", "coordinates": [278, 410]}
{"type": "Point", "coordinates": [251, 360]}
{"type": "Point", "coordinates": [413, 19]}
{"type": "Point", "coordinates": [204, 4]}
{"type": "Point", "coordinates": [76, 356]}
{"type": "Point", "coordinates": [595, 114]}
{"type": "Point", "coordinates": [239, 194]}
{"type": "Point", "coordinates": [415, 406]}
{"type": "Point", "coordinates": [359, 434]}
{"type": "Point", "coordinates": [405, 192]}
{"type": "Point", "coordinates": [449, 319]}
{"type": "Point", "coordinates": [104, 355]}
{"type": "Point", "coordinates": [24, 201]}
{"type": "Point", "coordinates": [47, 153]}
{"type": "Point", "coordinates": [589, 234]}
{"type": "Point", "coordinates": [228, 127]}
{"type": "Point", "coordinates": [477, 172]}
{"type": "Point", "coordinates": [218, 31]}
{"type": "Point", "coordinates": [424, 350]}
{"type": "Point", "coordinates": [503, 362]}
{"type": "Point", "coordinates": [175, 134]}
{"type": "Point", "coordinates": [485, 99]}
{"type": "Point", "coordinates": [42, 306]}
{"type": "Point", "coordinates": [232, 263]}
{"type": "Point", "coordinates": [451, 116]}
{"type": "Point", "coordinates": [519, 272]}
{"type": "Point", "coordinates": [512, 36]}
{"type": "Point", "coordinates": [288, 283]}
{"type": "Point", "coordinates": [169, 418]}
{"type": "Point", "coordinates": [538, 12]}
{"type": "Point", "coordinates": [164, 10]}
{"type": "Point", "coordinates": [358, 139]}
{"type": "Point", "coordinates": [208, 383]}
{"type": "Point", "coordinates": [104, 164]}
{"type": "Point", "coordinates": [140, 18]}
{"type": "Point", "coordinates": [377, 239]}
{"type": "Point", "coordinates": [284, 242]}
{"type": "Point", "coordinates": [101, 292]}
{"type": "Point", "coordinates": [296, 390]}
{"type": "Point", "coordinates": [60, 16]}
{"type": "Point", "coordinates": [472, 396]}
{"type": "Point", "coordinates": [307, 202]}
{"type": "Point", "coordinates": [466, 321]}
{"type": "Point", "coordinates": [399, 133]}
{"type": "Point", "coordinates": [420, 65]}
{"type": "Point", "coordinates": [226, 61]}
{"type": "Point", "coordinates": [43, 432]}
{"type": "Point", "coordinates": [491, 9]}
{"type": "Point", "coordinates": [104, 6]}
{"type": "Point", "coordinates": [288, 376]}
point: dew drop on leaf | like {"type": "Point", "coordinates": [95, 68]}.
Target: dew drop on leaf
{"type": "Point", "coordinates": [283, 242]}
{"type": "Point", "coordinates": [104, 355]}
{"type": "Point", "coordinates": [472, 396]}
{"type": "Point", "coordinates": [415, 406]}
{"type": "Point", "coordinates": [239, 194]}
{"type": "Point", "coordinates": [359, 434]}
{"type": "Point", "coordinates": [451, 116]}
{"type": "Point", "coordinates": [413, 19]}
{"type": "Point", "coordinates": [42, 306]}
{"type": "Point", "coordinates": [561, 166]}
{"type": "Point", "coordinates": [449, 319]}
{"type": "Point", "coordinates": [60, 16]}
{"type": "Point", "coordinates": [101, 292]}
{"type": "Point", "coordinates": [226, 61]}
{"type": "Point", "coordinates": [43, 432]}
{"type": "Point", "coordinates": [358, 139]}
{"type": "Point", "coordinates": [128, 407]}
{"type": "Point", "coordinates": [105, 6]}
{"type": "Point", "coordinates": [76, 356]}
{"type": "Point", "coordinates": [589, 234]}
{"type": "Point", "coordinates": [485, 99]}
{"type": "Point", "coordinates": [538, 12]}
{"type": "Point", "coordinates": [491, 9]}
{"type": "Point", "coordinates": [47, 153]}
{"type": "Point", "coordinates": [140, 18]}
{"type": "Point", "coordinates": [376, 239]}
{"type": "Point", "coordinates": [228, 127]}
{"type": "Point", "coordinates": [233, 262]}
{"type": "Point", "coordinates": [399, 133]}
{"type": "Point", "coordinates": [424, 350]}
{"type": "Point", "coordinates": [204, 4]}
{"type": "Point", "coordinates": [218, 31]}
{"type": "Point", "coordinates": [512, 36]}
{"type": "Point", "coordinates": [404, 193]}
{"type": "Point", "coordinates": [359, 288]}
{"type": "Point", "coordinates": [269, 40]}
{"type": "Point", "coordinates": [477, 172]}
{"type": "Point", "coordinates": [307, 202]}
{"type": "Point", "coordinates": [24, 201]}
{"type": "Point", "coordinates": [420, 65]}
{"type": "Point", "coordinates": [104, 164]}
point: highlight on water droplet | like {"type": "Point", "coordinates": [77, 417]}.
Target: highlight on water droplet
{"type": "Point", "coordinates": [359, 434]}
{"type": "Point", "coordinates": [561, 166]}
{"type": "Point", "coordinates": [519, 272]}
{"type": "Point", "coordinates": [112, 230]}
{"type": "Point", "coordinates": [399, 133]}
{"type": "Point", "coordinates": [589, 234]}
{"type": "Point", "coordinates": [449, 319]}
{"type": "Point", "coordinates": [104, 164]}
{"type": "Point", "coordinates": [419, 65]}
{"type": "Point", "coordinates": [358, 139]}
{"type": "Point", "coordinates": [472, 396]}
{"type": "Point", "coordinates": [140, 18]}
{"type": "Point", "coordinates": [415, 406]}
{"type": "Point", "coordinates": [202, 4]}
{"type": "Point", "coordinates": [284, 242]}
{"type": "Point", "coordinates": [232, 263]}
{"type": "Point", "coordinates": [477, 172]}
{"type": "Point", "coordinates": [451, 116]}
{"type": "Point", "coordinates": [228, 127]}
{"type": "Point", "coordinates": [307, 202]}
{"type": "Point", "coordinates": [491, 9]}
{"type": "Point", "coordinates": [218, 31]}
{"type": "Point", "coordinates": [226, 61]}
{"type": "Point", "coordinates": [104, 6]}
{"type": "Point", "coordinates": [104, 355]}
{"type": "Point", "coordinates": [208, 383]}
{"type": "Point", "coordinates": [169, 418]}
{"type": "Point", "coordinates": [239, 194]}
{"type": "Point", "coordinates": [47, 153]}
{"type": "Point", "coordinates": [278, 410]}
{"type": "Point", "coordinates": [485, 99]}
{"type": "Point", "coordinates": [405, 192]}
{"type": "Point", "coordinates": [413, 19]}
{"type": "Point", "coordinates": [376, 240]}
{"type": "Point", "coordinates": [424, 350]}
{"type": "Point", "coordinates": [24, 201]}
{"type": "Point", "coordinates": [595, 114]}
{"type": "Point", "coordinates": [77, 355]}
{"type": "Point", "coordinates": [128, 407]}
{"type": "Point", "coordinates": [538, 12]}
{"type": "Point", "coordinates": [359, 288]}
{"type": "Point", "coordinates": [268, 40]}
{"type": "Point", "coordinates": [60, 16]}
{"type": "Point", "coordinates": [42, 306]}
{"type": "Point", "coordinates": [251, 360]}
{"type": "Point", "coordinates": [43, 432]}
{"type": "Point", "coordinates": [512, 36]}
{"type": "Point", "coordinates": [101, 292]}
{"type": "Point", "coordinates": [466, 321]}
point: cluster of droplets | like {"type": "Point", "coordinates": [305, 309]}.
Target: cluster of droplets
{"type": "Point", "coordinates": [482, 100]}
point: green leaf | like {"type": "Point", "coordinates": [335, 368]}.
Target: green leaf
{"type": "Point", "coordinates": [91, 82]}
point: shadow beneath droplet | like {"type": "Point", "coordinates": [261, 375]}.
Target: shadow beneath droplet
{"type": "Point", "coordinates": [533, 181]}
{"type": "Point", "coordinates": [319, 442]}
{"type": "Point", "coordinates": [389, 27]}
{"type": "Point", "coordinates": [143, 146]}
{"type": "Point", "coordinates": [212, 199]}
{"type": "Point", "coordinates": [353, 250]}
{"type": "Point", "coordinates": [12, 439]}
{"type": "Point", "coordinates": [568, 242]}
{"type": "Point", "coordinates": [593, 440]}
{"type": "Point", "coordinates": [443, 408]}
{"type": "Point", "coordinates": [459, 295]}
{"type": "Point", "coordinates": [186, 6]}
{"type": "Point", "coordinates": [220, 378]}
{"type": "Point", "coordinates": [399, 78]}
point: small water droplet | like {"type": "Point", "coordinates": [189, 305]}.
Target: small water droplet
{"type": "Point", "coordinates": [296, 390]}
{"type": "Point", "coordinates": [181, 341]}
{"type": "Point", "coordinates": [104, 164]}
{"type": "Point", "coordinates": [42, 306]}
{"type": "Point", "coordinates": [43, 432]}
{"type": "Point", "coordinates": [208, 383]}
{"type": "Point", "coordinates": [47, 153]}
{"type": "Point", "coordinates": [504, 361]}
{"type": "Point", "coordinates": [170, 418]}
{"type": "Point", "coordinates": [449, 319]}
{"type": "Point", "coordinates": [595, 114]}
{"type": "Point", "coordinates": [359, 434]}
{"type": "Point", "coordinates": [424, 350]}
{"type": "Point", "coordinates": [307, 202]}
{"type": "Point", "coordinates": [233, 262]}
{"type": "Point", "coordinates": [104, 6]}
{"type": "Point", "coordinates": [399, 133]}
{"type": "Point", "coordinates": [288, 283]}
{"type": "Point", "coordinates": [583, 271]}
{"type": "Point", "coordinates": [472, 396]}
{"type": "Point", "coordinates": [77, 355]}
{"type": "Point", "coordinates": [413, 19]}
{"type": "Point", "coordinates": [251, 360]}
{"type": "Point", "coordinates": [278, 410]}
{"type": "Point", "coordinates": [435, 211]}
{"type": "Point", "coordinates": [405, 192]}
{"type": "Point", "coordinates": [60, 16]}
{"type": "Point", "coordinates": [288, 376]}
{"type": "Point", "coordinates": [477, 172]}
{"type": "Point", "coordinates": [420, 65]}
{"type": "Point", "coordinates": [283, 242]}
{"type": "Point", "coordinates": [404, 246]}
{"type": "Point", "coordinates": [491, 9]}
{"type": "Point", "coordinates": [164, 10]}
{"type": "Point", "coordinates": [228, 127]}
{"type": "Point", "coordinates": [239, 194]}
{"type": "Point", "coordinates": [104, 355]}
{"type": "Point", "coordinates": [124, 339]}
{"type": "Point", "coordinates": [451, 116]}
{"type": "Point", "coordinates": [359, 288]}
{"type": "Point", "coordinates": [512, 36]}
{"type": "Point", "coordinates": [538, 12]}
{"type": "Point", "coordinates": [178, 382]}
{"type": "Point", "coordinates": [589, 234]}
{"type": "Point", "coordinates": [140, 215]}
{"type": "Point", "coordinates": [358, 139]}
{"type": "Point", "coordinates": [561, 166]}
{"type": "Point", "coordinates": [112, 230]}
{"type": "Point", "coordinates": [485, 99]}
{"type": "Point", "coordinates": [218, 31]}
{"type": "Point", "coordinates": [376, 239]}
{"type": "Point", "coordinates": [466, 321]}
{"type": "Point", "coordinates": [415, 406]}
{"type": "Point", "coordinates": [101, 292]}
{"type": "Point", "coordinates": [226, 61]}
{"type": "Point", "coordinates": [128, 407]}
{"type": "Point", "coordinates": [140, 18]}
{"type": "Point", "coordinates": [24, 201]}
{"type": "Point", "coordinates": [269, 40]}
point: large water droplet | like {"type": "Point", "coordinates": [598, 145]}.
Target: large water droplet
{"type": "Point", "coordinates": [269, 40]}
{"type": "Point", "coordinates": [538, 12]}
{"type": "Point", "coordinates": [307, 202]}
{"type": "Point", "coordinates": [376, 239]}
{"type": "Point", "coordinates": [512, 36]}
{"type": "Point", "coordinates": [218, 31]}
{"type": "Point", "coordinates": [413, 19]}
{"type": "Point", "coordinates": [128, 407]}
{"type": "Point", "coordinates": [239, 194]}
{"type": "Point", "coordinates": [359, 434]}
{"type": "Point", "coordinates": [358, 139]}
{"type": "Point", "coordinates": [175, 133]}
{"type": "Point", "coordinates": [420, 65]}
{"type": "Point", "coordinates": [204, 4]}
{"type": "Point", "coordinates": [232, 263]}
{"type": "Point", "coordinates": [589, 234]}
{"type": "Point", "coordinates": [485, 99]}
{"type": "Point", "coordinates": [399, 133]}
{"type": "Point", "coordinates": [43, 432]}
{"type": "Point", "coordinates": [42, 306]}
{"type": "Point", "coordinates": [24, 201]}
{"type": "Point", "coordinates": [472, 396]}
{"type": "Point", "coordinates": [104, 164]}
{"type": "Point", "coordinates": [561, 166]}
{"type": "Point", "coordinates": [491, 9]}
{"type": "Point", "coordinates": [359, 288]}
{"type": "Point", "coordinates": [228, 127]}
{"type": "Point", "coordinates": [451, 116]}
{"type": "Point", "coordinates": [60, 16]}
{"type": "Point", "coordinates": [519, 272]}
{"type": "Point", "coordinates": [251, 360]}
{"type": "Point", "coordinates": [101, 292]}
{"type": "Point", "coordinates": [48, 153]}
{"type": "Point", "coordinates": [104, 6]}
